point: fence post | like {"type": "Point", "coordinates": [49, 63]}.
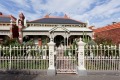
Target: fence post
{"type": "Point", "coordinates": [10, 58]}
{"type": "Point", "coordinates": [119, 57]}
{"type": "Point", "coordinates": [0, 55]}
{"type": "Point", "coordinates": [81, 67]}
{"type": "Point", "coordinates": [51, 69]}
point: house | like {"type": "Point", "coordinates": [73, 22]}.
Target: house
{"type": "Point", "coordinates": [62, 30]}
{"type": "Point", "coordinates": [109, 32]}
{"type": "Point", "coordinates": [6, 28]}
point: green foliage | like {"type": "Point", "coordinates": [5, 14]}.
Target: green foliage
{"type": "Point", "coordinates": [12, 42]}
{"type": "Point", "coordinates": [74, 44]}
{"type": "Point", "coordinates": [103, 40]}
{"type": "Point", "coordinates": [91, 42]}
{"type": "Point", "coordinates": [29, 43]}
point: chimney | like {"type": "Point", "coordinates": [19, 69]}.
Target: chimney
{"type": "Point", "coordinates": [46, 16]}
{"type": "Point", "coordinates": [65, 16]}
{"type": "Point", "coordinates": [92, 27]}
{"type": "Point", "coordinates": [21, 16]}
{"type": "Point", "coordinates": [1, 13]}
{"type": "Point", "coordinates": [113, 22]}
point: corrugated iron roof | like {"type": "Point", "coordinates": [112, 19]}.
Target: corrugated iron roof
{"type": "Point", "coordinates": [4, 19]}
{"type": "Point", "coordinates": [57, 21]}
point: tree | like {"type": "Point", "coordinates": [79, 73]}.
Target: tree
{"type": "Point", "coordinates": [103, 40]}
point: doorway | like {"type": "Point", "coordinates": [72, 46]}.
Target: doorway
{"type": "Point", "coordinates": [59, 40]}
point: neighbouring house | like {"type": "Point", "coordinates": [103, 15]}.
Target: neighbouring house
{"type": "Point", "coordinates": [8, 27]}
{"type": "Point", "coordinates": [63, 30]}
{"type": "Point", "coordinates": [109, 33]}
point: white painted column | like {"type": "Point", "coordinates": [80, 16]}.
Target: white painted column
{"type": "Point", "coordinates": [64, 42]}
{"type": "Point", "coordinates": [67, 39]}
{"type": "Point", "coordinates": [11, 26]}
{"type": "Point", "coordinates": [51, 69]}
{"type": "Point", "coordinates": [53, 36]}
{"type": "Point", "coordinates": [81, 66]}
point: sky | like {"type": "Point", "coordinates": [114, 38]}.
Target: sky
{"type": "Point", "coordinates": [96, 13]}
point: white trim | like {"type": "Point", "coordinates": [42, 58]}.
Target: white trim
{"type": "Point", "coordinates": [69, 29]}
{"type": "Point", "coordinates": [25, 22]}
{"type": "Point", "coordinates": [19, 33]}
{"type": "Point", "coordinates": [59, 26]}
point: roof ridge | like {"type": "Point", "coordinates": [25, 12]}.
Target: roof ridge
{"type": "Point", "coordinates": [56, 18]}
{"type": "Point", "coordinates": [108, 27]}
{"type": "Point", "coordinates": [36, 19]}
{"type": "Point", "coordinates": [47, 17]}
{"type": "Point", "coordinates": [5, 15]}
{"type": "Point", "coordinates": [77, 20]}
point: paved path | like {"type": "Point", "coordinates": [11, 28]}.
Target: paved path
{"type": "Point", "coordinates": [57, 77]}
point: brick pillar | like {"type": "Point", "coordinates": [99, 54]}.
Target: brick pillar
{"type": "Point", "coordinates": [20, 32]}
{"type": "Point", "coordinates": [40, 42]}
{"type": "Point", "coordinates": [21, 23]}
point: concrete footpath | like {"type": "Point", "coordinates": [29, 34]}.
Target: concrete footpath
{"type": "Point", "coordinates": [11, 76]}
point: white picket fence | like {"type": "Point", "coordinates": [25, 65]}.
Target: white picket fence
{"type": "Point", "coordinates": [102, 57]}
{"type": "Point", "coordinates": [97, 57]}
{"type": "Point", "coordinates": [24, 57]}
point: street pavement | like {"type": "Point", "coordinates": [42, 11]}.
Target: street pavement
{"type": "Point", "coordinates": [9, 76]}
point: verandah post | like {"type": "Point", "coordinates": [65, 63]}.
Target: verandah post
{"type": "Point", "coordinates": [81, 67]}
{"type": "Point", "coordinates": [51, 69]}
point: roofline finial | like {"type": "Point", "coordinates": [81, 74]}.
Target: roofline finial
{"type": "Point", "coordinates": [66, 16]}
{"type": "Point", "coordinates": [47, 15]}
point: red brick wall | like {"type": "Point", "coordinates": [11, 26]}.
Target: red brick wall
{"type": "Point", "coordinates": [113, 34]}
{"type": "Point", "coordinates": [15, 32]}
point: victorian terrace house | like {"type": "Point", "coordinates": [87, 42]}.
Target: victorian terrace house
{"type": "Point", "coordinates": [62, 30]}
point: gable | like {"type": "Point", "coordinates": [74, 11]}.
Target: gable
{"type": "Point", "coordinates": [59, 28]}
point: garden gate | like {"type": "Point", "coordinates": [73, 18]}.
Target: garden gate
{"type": "Point", "coordinates": [66, 60]}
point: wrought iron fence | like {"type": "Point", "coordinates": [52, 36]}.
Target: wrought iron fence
{"type": "Point", "coordinates": [23, 57]}
{"type": "Point", "coordinates": [102, 57]}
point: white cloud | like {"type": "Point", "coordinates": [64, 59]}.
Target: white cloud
{"type": "Point", "coordinates": [82, 10]}
{"type": "Point", "coordinates": [103, 12]}
{"type": "Point", "coordinates": [105, 8]}
{"type": "Point", "coordinates": [65, 6]}
{"type": "Point", "coordinates": [21, 3]}
{"type": "Point", "coordinates": [3, 9]}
